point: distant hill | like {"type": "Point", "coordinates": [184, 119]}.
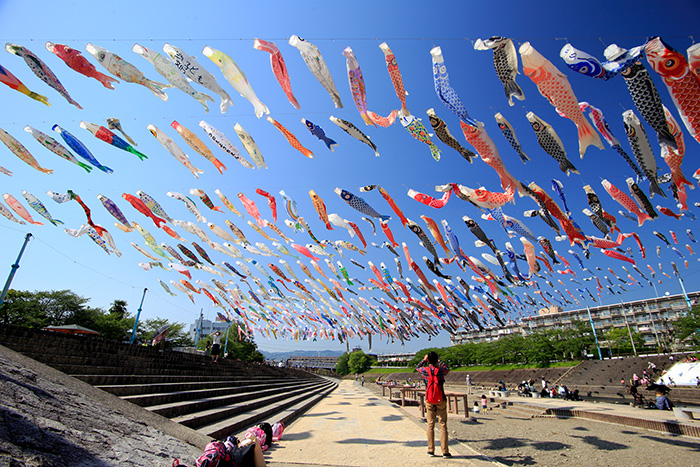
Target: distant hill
{"type": "Point", "coordinates": [301, 353]}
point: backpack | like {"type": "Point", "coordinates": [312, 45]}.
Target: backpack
{"type": "Point", "coordinates": [257, 432]}
{"type": "Point", "coordinates": [267, 428]}
{"type": "Point", "coordinates": [433, 392]}
{"type": "Point", "coordinates": [215, 455]}
{"type": "Point", "coordinates": [277, 430]}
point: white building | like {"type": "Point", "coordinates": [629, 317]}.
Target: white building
{"type": "Point", "coordinates": [650, 317]}
{"type": "Point", "coordinates": [207, 327]}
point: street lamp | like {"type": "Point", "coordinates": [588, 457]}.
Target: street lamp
{"type": "Point", "coordinates": [13, 270]}
{"type": "Point", "coordinates": [680, 281]}
{"type": "Point", "coordinates": [595, 335]}
{"type": "Point", "coordinates": [138, 315]}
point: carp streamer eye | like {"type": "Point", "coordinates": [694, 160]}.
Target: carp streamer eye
{"type": "Point", "coordinates": [670, 63]}
{"type": "Point", "coordinates": [101, 56]}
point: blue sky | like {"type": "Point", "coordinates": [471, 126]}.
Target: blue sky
{"type": "Point", "coordinates": [54, 260]}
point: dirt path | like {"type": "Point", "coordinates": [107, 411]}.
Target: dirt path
{"type": "Point", "coordinates": [513, 438]}
{"type": "Point", "coordinates": [516, 439]}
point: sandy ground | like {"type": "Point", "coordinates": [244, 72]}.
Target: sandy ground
{"type": "Point", "coordinates": [354, 427]}
{"type": "Point", "coordinates": [514, 438]}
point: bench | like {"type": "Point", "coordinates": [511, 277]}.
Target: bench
{"type": "Point", "coordinates": [450, 397]}
{"type": "Point", "coordinates": [499, 394]}
{"type": "Point", "coordinates": [410, 394]}
{"type": "Point", "coordinates": [687, 413]}
{"type": "Point", "coordinates": [395, 390]}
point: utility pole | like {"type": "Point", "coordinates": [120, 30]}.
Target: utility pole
{"type": "Point", "coordinates": [226, 344]}
{"type": "Point", "coordinates": [13, 270]}
{"type": "Point", "coordinates": [680, 281]}
{"type": "Point", "coordinates": [634, 348]}
{"type": "Point", "coordinates": [595, 335]}
{"type": "Point", "coordinates": [138, 315]}
{"type": "Point", "coordinates": [199, 327]}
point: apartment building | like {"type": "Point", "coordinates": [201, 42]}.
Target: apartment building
{"type": "Point", "coordinates": [651, 318]}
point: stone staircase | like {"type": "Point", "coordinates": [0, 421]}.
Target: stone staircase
{"type": "Point", "coordinates": [601, 379]}
{"type": "Point", "coordinates": [215, 399]}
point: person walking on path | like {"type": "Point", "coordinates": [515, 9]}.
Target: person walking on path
{"type": "Point", "coordinates": [216, 346]}
{"type": "Point", "coordinates": [432, 374]}
{"type": "Point", "coordinates": [469, 384]}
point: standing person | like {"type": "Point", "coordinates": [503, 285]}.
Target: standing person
{"type": "Point", "coordinates": [216, 346]}
{"type": "Point", "coordinates": [207, 349]}
{"type": "Point", "coordinates": [469, 384]}
{"type": "Point", "coordinates": [362, 380]}
{"type": "Point", "coordinates": [434, 374]}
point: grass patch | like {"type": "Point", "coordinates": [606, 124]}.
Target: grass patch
{"type": "Point", "coordinates": [386, 371]}
{"type": "Point", "coordinates": [509, 366]}
{"type": "Point", "coordinates": [515, 366]}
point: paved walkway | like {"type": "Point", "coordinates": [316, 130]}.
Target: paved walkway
{"type": "Point", "coordinates": [353, 427]}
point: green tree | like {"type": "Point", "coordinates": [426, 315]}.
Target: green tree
{"type": "Point", "coordinates": [513, 348]}
{"type": "Point", "coordinates": [342, 366]}
{"type": "Point", "coordinates": [243, 349]}
{"type": "Point", "coordinates": [359, 362]}
{"type": "Point", "coordinates": [175, 337]}
{"type": "Point", "coordinates": [39, 309]}
{"type": "Point", "coordinates": [43, 308]}
{"type": "Point", "coordinates": [118, 309]}
{"type": "Point", "coordinates": [540, 348]}
{"type": "Point", "coordinates": [618, 340]}
{"type": "Point", "coordinates": [574, 341]}
{"type": "Point", "coordinates": [112, 327]}
{"type": "Point", "coordinates": [687, 328]}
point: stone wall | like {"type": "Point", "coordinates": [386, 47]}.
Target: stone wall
{"type": "Point", "coordinates": [47, 418]}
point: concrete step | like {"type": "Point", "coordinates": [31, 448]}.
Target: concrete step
{"type": "Point", "coordinates": [136, 362]}
{"type": "Point", "coordinates": [171, 387]}
{"type": "Point", "coordinates": [103, 350]}
{"type": "Point", "coordinates": [165, 398]}
{"type": "Point", "coordinates": [211, 412]}
{"type": "Point", "coordinates": [301, 400]}
{"type": "Point", "coordinates": [289, 414]}
{"type": "Point", "coordinates": [127, 369]}
{"type": "Point", "coordinates": [160, 361]}
{"type": "Point", "coordinates": [213, 404]}
{"type": "Point", "coordinates": [118, 380]}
